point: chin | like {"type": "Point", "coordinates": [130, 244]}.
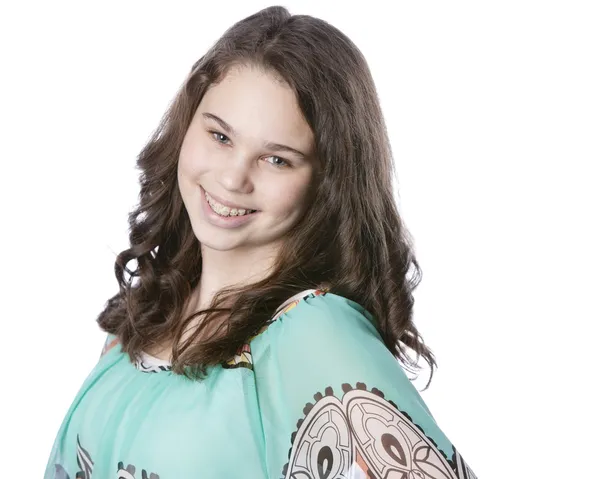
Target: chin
{"type": "Point", "coordinates": [216, 241]}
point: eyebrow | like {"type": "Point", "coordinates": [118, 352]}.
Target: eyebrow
{"type": "Point", "coordinates": [267, 144]}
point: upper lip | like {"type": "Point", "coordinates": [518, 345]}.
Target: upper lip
{"type": "Point", "coordinates": [226, 203]}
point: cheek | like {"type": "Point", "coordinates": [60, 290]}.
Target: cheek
{"type": "Point", "coordinates": [193, 159]}
{"type": "Point", "coordinates": [288, 200]}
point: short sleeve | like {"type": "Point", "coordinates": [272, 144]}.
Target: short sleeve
{"type": "Point", "coordinates": [334, 402]}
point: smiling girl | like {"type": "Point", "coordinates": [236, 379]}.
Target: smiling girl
{"type": "Point", "coordinates": [263, 322]}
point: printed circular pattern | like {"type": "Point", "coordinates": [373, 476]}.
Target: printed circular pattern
{"type": "Point", "coordinates": [365, 436]}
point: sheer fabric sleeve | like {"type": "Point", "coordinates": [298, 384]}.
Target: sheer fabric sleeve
{"type": "Point", "coordinates": [335, 403]}
{"type": "Point", "coordinates": [110, 342]}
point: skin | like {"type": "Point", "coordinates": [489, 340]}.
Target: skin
{"type": "Point", "coordinates": [236, 166]}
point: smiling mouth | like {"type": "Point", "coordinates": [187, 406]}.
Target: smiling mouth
{"type": "Point", "coordinates": [226, 211]}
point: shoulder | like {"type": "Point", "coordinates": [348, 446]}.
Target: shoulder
{"type": "Point", "coordinates": [324, 313]}
{"type": "Point", "coordinates": [327, 340]}
{"type": "Point", "coordinates": [110, 342]}
{"type": "Point", "coordinates": [323, 328]}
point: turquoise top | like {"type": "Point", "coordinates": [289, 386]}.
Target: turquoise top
{"type": "Point", "coordinates": [316, 395]}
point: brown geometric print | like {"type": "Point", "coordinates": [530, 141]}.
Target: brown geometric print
{"type": "Point", "coordinates": [364, 436]}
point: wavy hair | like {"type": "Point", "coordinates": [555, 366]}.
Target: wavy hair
{"type": "Point", "coordinates": [351, 237]}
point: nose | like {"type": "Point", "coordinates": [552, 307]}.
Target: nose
{"type": "Point", "coordinates": [235, 174]}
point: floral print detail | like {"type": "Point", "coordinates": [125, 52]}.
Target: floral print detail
{"type": "Point", "coordinates": [363, 435]}
{"type": "Point", "coordinates": [129, 473]}
{"type": "Point", "coordinates": [85, 463]}
{"type": "Point", "coordinates": [243, 359]}
{"type": "Point", "coordinates": [146, 365]}
{"type": "Point", "coordinates": [295, 303]}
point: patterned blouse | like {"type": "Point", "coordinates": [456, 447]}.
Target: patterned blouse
{"type": "Point", "coordinates": [315, 395]}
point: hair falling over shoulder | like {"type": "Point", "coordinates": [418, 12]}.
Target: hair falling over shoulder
{"type": "Point", "coordinates": [351, 238]}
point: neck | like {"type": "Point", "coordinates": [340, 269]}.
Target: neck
{"type": "Point", "coordinates": [222, 269]}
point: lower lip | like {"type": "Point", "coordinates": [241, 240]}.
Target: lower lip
{"type": "Point", "coordinates": [223, 221]}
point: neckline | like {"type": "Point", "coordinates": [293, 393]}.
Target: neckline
{"type": "Point", "coordinates": [149, 363]}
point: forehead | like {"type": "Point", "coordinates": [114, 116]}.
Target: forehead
{"type": "Point", "coordinates": [258, 105]}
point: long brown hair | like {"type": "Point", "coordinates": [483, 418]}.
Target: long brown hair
{"type": "Point", "coordinates": [351, 238]}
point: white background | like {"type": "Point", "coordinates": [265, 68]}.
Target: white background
{"type": "Point", "coordinates": [493, 110]}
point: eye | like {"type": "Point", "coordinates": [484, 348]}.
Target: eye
{"type": "Point", "coordinates": [219, 137]}
{"type": "Point", "coordinates": [279, 163]}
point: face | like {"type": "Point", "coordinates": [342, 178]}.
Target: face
{"type": "Point", "coordinates": [248, 148]}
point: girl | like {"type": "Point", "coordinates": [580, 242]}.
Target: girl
{"type": "Point", "coordinates": [265, 301]}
